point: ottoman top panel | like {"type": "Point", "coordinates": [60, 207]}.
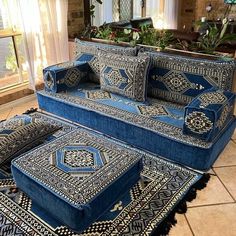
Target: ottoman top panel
{"type": "Point", "coordinates": [56, 166]}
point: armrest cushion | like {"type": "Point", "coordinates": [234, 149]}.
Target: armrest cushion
{"type": "Point", "coordinates": [208, 114]}
{"type": "Point", "coordinates": [64, 75]}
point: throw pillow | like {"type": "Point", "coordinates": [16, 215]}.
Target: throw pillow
{"type": "Point", "coordinates": [124, 75]}
{"type": "Point", "coordinates": [88, 51]}
{"type": "Point", "coordinates": [21, 133]}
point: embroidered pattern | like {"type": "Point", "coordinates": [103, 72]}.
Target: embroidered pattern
{"type": "Point", "coordinates": [163, 184]}
{"type": "Point", "coordinates": [152, 111]}
{"type": "Point", "coordinates": [176, 82]}
{"type": "Point", "coordinates": [73, 77]}
{"type": "Point", "coordinates": [223, 117]}
{"type": "Point", "coordinates": [212, 98]}
{"type": "Point", "coordinates": [124, 75]}
{"type": "Point", "coordinates": [198, 122]}
{"type": "Point", "coordinates": [38, 165]}
{"type": "Point", "coordinates": [66, 65]}
{"type": "Point", "coordinates": [48, 79]}
{"type": "Point", "coordinates": [78, 158]}
{"type": "Point", "coordinates": [163, 128]}
{"type": "Point", "coordinates": [98, 94]}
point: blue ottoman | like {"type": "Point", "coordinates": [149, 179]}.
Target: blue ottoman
{"type": "Point", "coordinates": [77, 177]}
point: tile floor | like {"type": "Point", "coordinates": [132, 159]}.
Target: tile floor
{"type": "Point", "coordinates": [213, 212]}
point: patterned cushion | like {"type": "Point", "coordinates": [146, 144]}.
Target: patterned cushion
{"type": "Point", "coordinates": [87, 51]}
{"type": "Point", "coordinates": [21, 133]}
{"type": "Point", "coordinates": [124, 75]}
{"type": "Point", "coordinates": [180, 79]}
{"type": "Point", "coordinates": [64, 75]}
{"type": "Point", "coordinates": [208, 114]}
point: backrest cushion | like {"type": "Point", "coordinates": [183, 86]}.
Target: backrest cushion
{"type": "Point", "coordinates": [179, 79]}
{"type": "Point", "coordinates": [87, 51]}
{"type": "Point", "coordinates": [124, 75]}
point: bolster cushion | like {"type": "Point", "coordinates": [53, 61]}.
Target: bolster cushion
{"type": "Point", "coordinates": [65, 75]}
{"type": "Point", "coordinates": [208, 114]}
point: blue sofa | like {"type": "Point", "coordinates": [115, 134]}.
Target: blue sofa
{"type": "Point", "coordinates": [186, 118]}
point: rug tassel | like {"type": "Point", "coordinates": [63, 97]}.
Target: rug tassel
{"type": "Point", "coordinates": [165, 226]}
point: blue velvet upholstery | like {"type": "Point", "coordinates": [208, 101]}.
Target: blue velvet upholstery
{"type": "Point", "coordinates": [21, 133]}
{"type": "Point", "coordinates": [124, 75]}
{"type": "Point", "coordinates": [208, 114]}
{"type": "Point", "coordinates": [156, 126]}
{"type": "Point", "coordinates": [77, 177]}
{"type": "Point", "coordinates": [88, 51]}
{"type": "Point", "coordinates": [64, 75]}
{"type": "Point", "coordinates": [179, 79]}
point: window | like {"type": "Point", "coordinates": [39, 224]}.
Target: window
{"type": "Point", "coordinates": [12, 62]}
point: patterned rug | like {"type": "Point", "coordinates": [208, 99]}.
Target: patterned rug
{"type": "Point", "coordinates": [147, 209]}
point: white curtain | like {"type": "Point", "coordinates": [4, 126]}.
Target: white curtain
{"type": "Point", "coordinates": [171, 9]}
{"type": "Point", "coordinates": [164, 13]}
{"type": "Point", "coordinates": [44, 27]}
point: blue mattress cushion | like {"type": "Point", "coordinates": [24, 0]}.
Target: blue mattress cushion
{"type": "Point", "coordinates": [208, 114]}
{"type": "Point", "coordinates": [21, 133]}
{"type": "Point", "coordinates": [64, 75]}
{"type": "Point", "coordinates": [77, 177]}
{"type": "Point", "coordinates": [124, 75]}
{"type": "Point", "coordinates": [180, 79]}
{"type": "Point", "coordinates": [88, 51]}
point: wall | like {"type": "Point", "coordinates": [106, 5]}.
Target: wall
{"type": "Point", "coordinates": [75, 17]}
{"type": "Point", "coordinates": [218, 9]}
{"type": "Point", "coordinates": [193, 10]}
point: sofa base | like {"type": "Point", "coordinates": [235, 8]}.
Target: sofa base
{"type": "Point", "coordinates": [194, 156]}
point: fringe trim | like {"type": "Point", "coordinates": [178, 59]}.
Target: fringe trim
{"type": "Point", "coordinates": [31, 110]}
{"type": "Point", "coordinates": [165, 226]}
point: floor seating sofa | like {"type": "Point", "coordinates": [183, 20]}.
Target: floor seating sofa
{"type": "Point", "coordinates": [177, 107]}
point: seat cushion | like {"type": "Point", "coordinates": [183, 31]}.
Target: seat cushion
{"type": "Point", "coordinates": [155, 126]}
{"type": "Point", "coordinates": [21, 133]}
{"type": "Point", "coordinates": [88, 51]}
{"type": "Point", "coordinates": [179, 79]}
{"type": "Point", "coordinates": [77, 177]}
{"type": "Point", "coordinates": [124, 75]}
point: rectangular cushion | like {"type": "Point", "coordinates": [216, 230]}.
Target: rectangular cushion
{"type": "Point", "coordinates": [124, 75]}
{"type": "Point", "coordinates": [88, 51]}
{"type": "Point", "coordinates": [179, 79]}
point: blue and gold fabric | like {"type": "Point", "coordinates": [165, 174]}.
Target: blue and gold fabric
{"type": "Point", "coordinates": [208, 114]}
{"type": "Point", "coordinates": [180, 79]}
{"type": "Point", "coordinates": [124, 75]}
{"type": "Point", "coordinates": [21, 133]}
{"type": "Point", "coordinates": [64, 75]}
{"type": "Point", "coordinates": [88, 51]}
{"type": "Point", "coordinates": [77, 177]}
{"type": "Point", "coordinates": [153, 125]}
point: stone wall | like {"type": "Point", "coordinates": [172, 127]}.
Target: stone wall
{"type": "Point", "coordinates": [75, 18]}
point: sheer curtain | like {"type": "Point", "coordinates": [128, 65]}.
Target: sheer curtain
{"type": "Point", "coordinates": [164, 13]}
{"type": "Point", "coordinates": [44, 27]}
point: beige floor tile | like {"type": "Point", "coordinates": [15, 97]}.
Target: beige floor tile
{"type": "Point", "coordinates": [228, 177]}
{"type": "Point", "coordinates": [4, 114]}
{"type": "Point", "coordinates": [214, 193]}
{"type": "Point", "coordinates": [228, 156]}
{"type": "Point", "coordinates": [17, 111]}
{"type": "Point", "coordinates": [218, 220]}
{"type": "Point", "coordinates": [181, 228]}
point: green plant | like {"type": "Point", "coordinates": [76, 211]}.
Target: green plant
{"type": "Point", "coordinates": [214, 37]}
{"type": "Point", "coordinates": [164, 38]}
{"type": "Point", "coordinates": [104, 32]}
